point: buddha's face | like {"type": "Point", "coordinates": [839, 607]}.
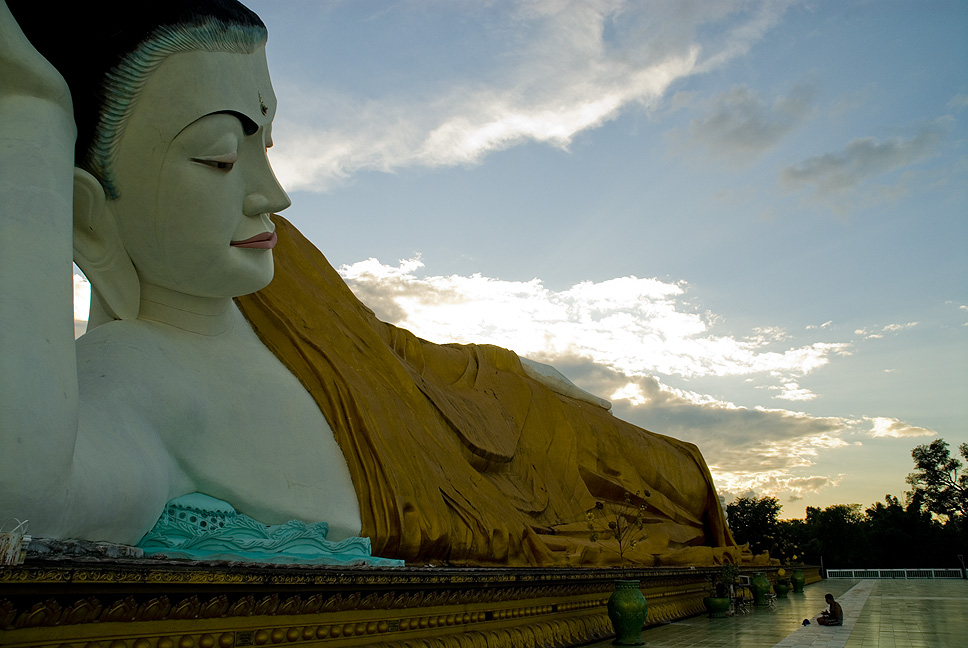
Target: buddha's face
{"type": "Point", "coordinates": [196, 188]}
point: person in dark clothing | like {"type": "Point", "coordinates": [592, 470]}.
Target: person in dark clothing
{"type": "Point", "coordinates": [833, 617]}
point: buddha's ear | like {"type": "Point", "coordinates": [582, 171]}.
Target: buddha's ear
{"type": "Point", "coordinates": [100, 254]}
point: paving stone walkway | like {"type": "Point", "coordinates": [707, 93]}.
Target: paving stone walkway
{"type": "Point", "coordinates": [877, 614]}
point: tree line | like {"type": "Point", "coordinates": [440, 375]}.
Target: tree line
{"type": "Point", "coordinates": [928, 528]}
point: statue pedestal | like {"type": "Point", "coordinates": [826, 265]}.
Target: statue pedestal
{"type": "Point", "coordinates": [166, 604]}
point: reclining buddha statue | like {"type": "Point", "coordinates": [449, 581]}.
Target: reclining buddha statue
{"type": "Point", "coordinates": [225, 359]}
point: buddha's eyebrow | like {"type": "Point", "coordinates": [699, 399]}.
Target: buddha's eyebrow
{"type": "Point", "coordinates": [249, 127]}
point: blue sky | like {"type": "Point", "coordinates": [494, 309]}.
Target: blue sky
{"type": "Point", "coordinates": [744, 223]}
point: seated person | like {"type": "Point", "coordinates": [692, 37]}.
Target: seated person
{"type": "Point", "coordinates": [834, 616]}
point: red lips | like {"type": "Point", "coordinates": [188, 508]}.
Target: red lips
{"type": "Point", "coordinates": [263, 241]}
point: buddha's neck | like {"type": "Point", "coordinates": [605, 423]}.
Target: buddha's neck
{"type": "Point", "coordinates": [202, 315]}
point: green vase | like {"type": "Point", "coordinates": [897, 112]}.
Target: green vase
{"type": "Point", "coordinates": [627, 610]}
{"type": "Point", "coordinates": [761, 589]}
{"type": "Point", "coordinates": [798, 580]}
{"type": "Point", "coordinates": [718, 607]}
{"type": "Point", "coordinates": [781, 588]}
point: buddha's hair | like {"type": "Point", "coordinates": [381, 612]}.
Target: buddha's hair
{"type": "Point", "coordinates": [107, 50]}
{"type": "Point", "coordinates": [123, 85]}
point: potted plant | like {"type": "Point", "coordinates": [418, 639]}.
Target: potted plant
{"type": "Point", "coordinates": [620, 527]}
{"type": "Point", "coordinates": [718, 604]}
{"type": "Point", "coordinates": [782, 584]}
{"type": "Point", "coordinates": [797, 578]}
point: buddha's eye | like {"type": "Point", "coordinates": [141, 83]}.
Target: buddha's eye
{"type": "Point", "coordinates": [222, 163]}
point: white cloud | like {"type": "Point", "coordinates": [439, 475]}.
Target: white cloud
{"type": "Point", "coordinates": [892, 428]}
{"type": "Point", "coordinates": [82, 303]}
{"type": "Point", "coordinates": [566, 66]}
{"type": "Point", "coordinates": [791, 391]}
{"type": "Point", "coordinates": [758, 449]}
{"type": "Point", "coordinates": [825, 325]}
{"type": "Point", "coordinates": [887, 328]}
{"type": "Point", "coordinates": [811, 484]}
{"type": "Point", "coordinates": [767, 334]}
{"type": "Point", "coordinates": [630, 392]}
{"type": "Point", "coordinates": [82, 298]}
{"type": "Point", "coordinates": [894, 328]}
{"type": "Point", "coordinates": [636, 326]}
{"type": "Point", "coordinates": [781, 484]}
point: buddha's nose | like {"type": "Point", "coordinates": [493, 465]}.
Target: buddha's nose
{"type": "Point", "coordinates": [267, 196]}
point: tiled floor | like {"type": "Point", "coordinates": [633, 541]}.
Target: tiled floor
{"type": "Point", "coordinates": [915, 613]}
{"type": "Point", "coordinates": [877, 614]}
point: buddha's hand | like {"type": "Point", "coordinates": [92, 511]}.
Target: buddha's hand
{"type": "Point", "coordinates": [24, 72]}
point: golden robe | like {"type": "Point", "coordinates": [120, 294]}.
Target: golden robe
{"type": "Point", "coordinates": [457, 456]}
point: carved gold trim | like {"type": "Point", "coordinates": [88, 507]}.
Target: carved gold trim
{"type": "Point", "coordinates": [139, 606]}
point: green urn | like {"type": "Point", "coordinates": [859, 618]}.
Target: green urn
{"type": "Point", "coordinates": [761, 589]}
{"type": "Point", "coordinates": [627, 610]}
{"type": "Point", "coordinates": [799, 580]}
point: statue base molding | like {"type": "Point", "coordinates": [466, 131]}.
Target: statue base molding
{"type": "Point", "coordinates": [161, 604]}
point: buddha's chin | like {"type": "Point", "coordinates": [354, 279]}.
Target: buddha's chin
{"type": "Point", "coordinates": [245, 280]}
{"type": "Point", "coordinates": [256, 284]}
{"type": "Point", "coordinates": [256, 275]}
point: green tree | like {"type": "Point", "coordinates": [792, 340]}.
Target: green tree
{"type": "Point", "coordinates": [754, 520]}
{"type": "Point", "coordinates": [904, 535]}
{"type": "Point", "coordinates": [837, 536]}
{"type": "Point", "coordinates": [938, 481]}
{"type": "Point", "coordinates": [928, 529]}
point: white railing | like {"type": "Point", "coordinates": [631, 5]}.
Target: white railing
{"type": "Point", "coordinates": [946, 572]}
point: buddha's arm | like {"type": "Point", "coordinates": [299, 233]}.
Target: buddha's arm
{"type": "Point", "coordinates": [38, 376]}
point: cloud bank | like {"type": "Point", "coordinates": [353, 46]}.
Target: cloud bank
{"type": "Point", "coordinates": [566, 67]}
{"type": "Point", "coordinates": [636, 326]}
{"type": "Point", "coordinates": [627, 340]}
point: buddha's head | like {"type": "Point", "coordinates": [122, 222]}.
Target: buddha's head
{"type": "Point", "coordinates": [174, 109]}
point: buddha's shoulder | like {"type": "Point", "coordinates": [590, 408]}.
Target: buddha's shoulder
{"type": "Point", "coordinates": [130, 378]}
{"type": "Point", "coordinates": [122, 337]}
{"type": "Point", "coordinates": [135, 352]}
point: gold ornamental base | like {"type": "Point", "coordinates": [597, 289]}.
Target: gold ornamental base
{"type": "Point", "coordinates": [154, 604]}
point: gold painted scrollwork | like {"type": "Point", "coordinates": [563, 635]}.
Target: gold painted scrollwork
{"type": "Point", "coordinates": [245, 606]}
{"type": "Point", "coordinates": [186, 609]}
{"type": "Point", "coordinates": [124, 610]}
{"type": "Point", "coordinates": [43, 613]}
{"type": "Point", "coordinates": [214, 608]}
{"type": "Point", "coordinates": [82, 611]}
{"type": "Point", "coordinates": [156, 608]}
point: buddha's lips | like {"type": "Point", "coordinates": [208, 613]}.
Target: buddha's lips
{"type": "Point", "coordinates": [264, 241]}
